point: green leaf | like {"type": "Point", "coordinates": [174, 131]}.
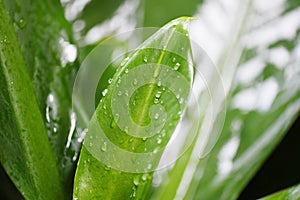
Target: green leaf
{"type": "Point", "coordinates": [96, 12]}
{"type": "Point", "coordinates": [292, 193]}
{"type": "Point", "coordinates": [252, 129]}
{"type": "Point", "coordinates": [130, 112]}
{"type": "Point", "coordinates": [26, 153]}
{"type": "Point", "coordinates": [157, 14]}
{"type": "Point", "coordinates": [45, 38]}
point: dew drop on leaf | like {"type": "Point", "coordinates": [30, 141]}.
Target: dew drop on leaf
{"type": "Point", "coordinates": [126, 129]}
{"type": "Point", "coordinates": [145, 177]}
{"type": "Point", "coordinates": [107, 168]}
{"type": "Point", "coordinates": [104, 92]}
{"type": "Point", "coordinates": [134, 82]}
{"type": "Point", "coordinates": [149, 166]}
{"type": "Point", "coordinates": [113, 123]}
{"type": "Point", "coordinates": [177, 65]}
{"type": "Point", "coordinates": [136, 180]}
{"type": "Point", "coordinates": [159, 140]}
{"type": "Point", "coordinates": [159, 83]}
{"type": "Point", "coordinates": [158, 94]}
{"type": "Point", "coordinates": [104, 147]}
{"type": "Point", "coordinates": [21, 23]}
{"type": "Point", "coordinates": [145, 59]}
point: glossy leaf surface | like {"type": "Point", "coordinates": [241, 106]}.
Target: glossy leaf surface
{"type": "Point", "coordinates": [142, 79]}
{"type": "Point", "coordinates": [263, 96]}
{"type": "Point", "coordinates": [25, 153]}
{"type": "Point", "coordinates": [292, 193]}
{"type": "Point", "coordinates": [45, 38]}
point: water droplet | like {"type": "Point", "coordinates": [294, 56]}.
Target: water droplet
{"type": "Point", "coordinates": [134, 82]}
{"type": "Point", "coordinates": [119, 93]}
{"type": "Point", "coordinates": [159, 83]}
{"type": "Point", "coordinates": [149, 166]}
{"type": "Point", "coordinates": [126, 129]}
{"type": "Point", "coordinates": [177, 65]}
{"type": "Point", "coordinates": [156, 101]}
{"type": "Point", "coordinates": [104, 106]}
{"type": "Point", "coordinates": [155, 150]}
{"type": "Point", "coordinates": [158, 94]}
{"type": "Point", "coordinates": [159, 140]}
{"type": "Point", "coordinates": [113, 123]}
{"type": "Point", "coordinates": [126, 92]}
{"type": "Point", "coordinates": [144, 139]}
{"type": "Point", "coordinates": [117, 116]}
{"type": "Point", "coordinates": [109, 81]}
{"type": "Point", "coordinates": [131, 140]}
{"type": "Point", "coordinates": [174, 59]}
{"type": "Point", "coordinates": [136, 180]}
{"type": "Point", "coordinates": [163, 133]}
{"type": "Point", "coordinates": [145, 59]}
{"type": "Point", "coordinates": [145, 177]}
{"type": "Point", "coordinates": [126, 70]}
{"type": "Point", "coordinates": [104, 147]}
{"type": "Point", "coordinates": [107, 168]}
{"type": "Point", "coordinates": [21, 23]}
{"type": "Point", "coordinates": [181, 100]}
{"type": "Point", "coordinates": [104, 92]}
{"type": "Point", "coordinates": [90, 144]}
{"type": "Point", "coordinates": [156, 116]}
{"type": "Point", "coordinates": [133, 193]}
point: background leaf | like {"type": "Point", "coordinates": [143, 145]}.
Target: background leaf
{"type": "Point", "coordinates": [25, 149]}
{"type": "Point", "coordinates": [289, 194]}
{"type": "Point", "coordinates": [253, 127]}
{"type": "Point", "coordinates": [45, 38]}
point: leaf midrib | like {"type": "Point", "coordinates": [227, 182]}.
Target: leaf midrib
{"type": "Point", "coordinates": [152, 86]}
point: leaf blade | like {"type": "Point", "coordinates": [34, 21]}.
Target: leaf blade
{"type": "Point", "coordinates": [132, 185]}
{"type": "Point", "coordinates": [25, 146]}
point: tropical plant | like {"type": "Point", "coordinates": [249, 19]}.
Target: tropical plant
{"type": "Point", "coordinates": [248, 96]}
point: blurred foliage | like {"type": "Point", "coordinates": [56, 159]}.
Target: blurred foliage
{"type": "Point", "coordinates": [42, 31]}
{"type": "Point", "coordinates": [157, 14]}
{"type": "Point", "coordinates": [292, 193]}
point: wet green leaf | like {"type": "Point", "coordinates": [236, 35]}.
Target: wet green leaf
{"type": "Point", "coordinates": [261, 105]}
{"type": "Point", "coordinates": [137, 113]}
{"type": "Point", "coordinates": [26, 153]}
{"type": "Point", "coordinates": [45, 38]}
{"type": "Point", "coordinates": [292, 193]}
